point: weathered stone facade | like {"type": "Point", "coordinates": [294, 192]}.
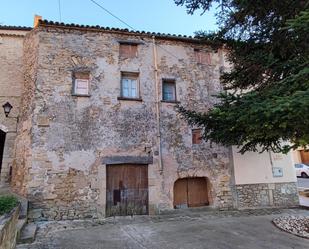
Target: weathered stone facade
{"type": "Point", "coordinates": [65, 141]}
{"type": "Point", "coordinates": [63, 138]}
{"type": "Point", "coordinates": [267, 195]}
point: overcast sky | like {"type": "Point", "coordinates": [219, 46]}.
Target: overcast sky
{"type": "Point", "coordinates": [149, 15]}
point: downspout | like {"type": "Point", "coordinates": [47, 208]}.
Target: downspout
{"type": "Point", "coordinates": [157, 104]}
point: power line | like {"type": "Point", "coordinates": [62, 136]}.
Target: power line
{"type": "Point", "coordinates": [128, 25]}
{"type": "Point", "coordinates": [106, 10]}
{"type": "Point", "coordinates": [59, 9]}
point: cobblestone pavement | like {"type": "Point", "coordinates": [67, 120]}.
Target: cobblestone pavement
{"type": "Point", "coordinates": [194, 229]}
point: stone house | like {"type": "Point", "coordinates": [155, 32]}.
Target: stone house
{"type": "Point", "coordinates": [98, 133]}
{"type": "Point", "coordinates": [11, 85]}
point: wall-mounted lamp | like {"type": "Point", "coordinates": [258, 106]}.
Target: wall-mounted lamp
{"type": "Point", "coordinates": [7, 107]}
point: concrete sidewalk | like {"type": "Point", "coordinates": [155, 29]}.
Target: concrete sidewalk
{"type": "Point", "coordinates": [171, 232]}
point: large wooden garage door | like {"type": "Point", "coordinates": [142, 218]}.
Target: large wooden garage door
{"type": "Point", "coordinates": [127, 189]}
{"type": "Point", "coordinates": [190, 192]}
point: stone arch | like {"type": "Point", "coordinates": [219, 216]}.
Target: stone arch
{"type": "Point", "coordinates": [194, 172]}
{"type": "Point", "coordinates": [3, 128]}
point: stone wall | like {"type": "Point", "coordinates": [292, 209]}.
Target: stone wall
{"type": "Point", "coordinates": [286, 195]}
{"type": "Point", "coordinates": [11, 85]}
{"type": "Point", "coordinates": [23, 157]}
{"type": "Point", "coordinates": [8, 229]}
{"type": "Point", "coordinates": [63, 138]}
{"type": "Point", "coordinates": [267, 195]}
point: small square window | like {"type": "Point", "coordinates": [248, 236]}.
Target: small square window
{"type": "Point", "coordinates": [129, 85]}
{"type": "Point", "coordinates": [127, 50]}
{"type": "Point", "coordinates": [81, 83]}
{"type": "Point", "coordinates": [196, 136]}
{"type": "Point", "coordinates": [169, 90]}
{"type": "Point", "coordinates": [202, 57]}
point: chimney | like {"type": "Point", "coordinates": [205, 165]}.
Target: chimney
{"type": "Point", "coordinates": [37, 19]}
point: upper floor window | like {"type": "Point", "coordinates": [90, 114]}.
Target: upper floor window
{"type": "Point", "coordinates": [202, 57]}
{"type": "Point", "coordinates": [81, 83]}
{"type": "Point", "coordinates": [127, 50]}
{"type": "Point", "coordinates": [196, 136]}
{"type": "Point", "coordinates": [129, 85]}
{"type": "Point", "coordinates": [169, 90]}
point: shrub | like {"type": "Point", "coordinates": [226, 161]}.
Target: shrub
{"type": "Point", "coordinates": [7, 203]}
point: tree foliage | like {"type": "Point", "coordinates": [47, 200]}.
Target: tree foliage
{"type": "Point", "coordinates": [266, 99]}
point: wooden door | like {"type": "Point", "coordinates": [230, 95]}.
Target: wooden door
{"type": "Point", "coordinates": [181, 193]}
{"type": "Point", "coordinates": [197, 192]}
{"type": "Point", "coordinates": [304, 156]}
{"type": "Point", "coordinates": [190, 192]}
{"type": "Point", "coordinates": [127, 189]}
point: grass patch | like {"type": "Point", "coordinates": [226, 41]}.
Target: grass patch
{"type": "Point", "coordinates": [7, 203]}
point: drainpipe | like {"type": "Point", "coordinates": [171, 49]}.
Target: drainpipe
{"type": "Point", "coordinates": [157, 103]}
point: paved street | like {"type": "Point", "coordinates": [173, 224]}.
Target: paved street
{"type": "Point", "coordinates": [303, 182]}
{"type": "Point", "coordinates": [186, 231]}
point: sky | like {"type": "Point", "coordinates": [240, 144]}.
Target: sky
{"type": "Point", "coordinates": [149, 15]}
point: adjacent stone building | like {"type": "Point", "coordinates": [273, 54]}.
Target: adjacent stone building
{"type": "Point", "coordinates": [11, 85]}
{"type": "Point", "coordinates": [98, 133]}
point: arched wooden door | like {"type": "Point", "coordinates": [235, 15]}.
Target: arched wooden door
{"type": "Point", "coordinates": [190, 192]}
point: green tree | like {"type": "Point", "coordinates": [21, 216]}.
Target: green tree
{"type": "Point", "coordinates": [268, 44]}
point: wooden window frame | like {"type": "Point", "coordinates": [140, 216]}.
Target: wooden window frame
{"type": "Point", "coordinates": [169, 81]}
{"type": "Point", "coordinates": [129, 55]}
{"type": "Point", "coordinates": [130, 75]}
{"type": "Point", "coordinates": [195, 132]}
{"type": "Point", "coordinates": [202, 59]}
{"type": "Point", "coordinates": [81, 76]}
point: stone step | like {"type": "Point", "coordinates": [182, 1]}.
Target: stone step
{"type": "Point", "coordinates": [24, 207]}
{"type": "Point", "coordinates": [28, 233]}
{"type": "Point", "coordinates": [184, 211]}
{"type": "Point", "coordinates": [20, 225]}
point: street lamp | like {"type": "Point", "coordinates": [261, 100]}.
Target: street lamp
{"type": "Point", "coordinates": [7, 107]}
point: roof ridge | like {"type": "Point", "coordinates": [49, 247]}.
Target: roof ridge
{"type": "Point", "coordinates": [11, 27]}
{"type": "Point", "coordinates": [126, 30]}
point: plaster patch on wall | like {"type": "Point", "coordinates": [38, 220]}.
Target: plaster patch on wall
{"type": "Point", "coordinates": [79, 160]}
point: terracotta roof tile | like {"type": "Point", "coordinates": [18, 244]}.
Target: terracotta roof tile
{"type": "Point", "coordinates": [145, 33]}
{"type": "Point", "coordinates": [4, 27]}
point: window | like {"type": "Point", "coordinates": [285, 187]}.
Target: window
{"type": "Point", "coordinates": [127, 50]}
{"type": "Point", "coordinates": [298, 166]}
{"type": "Point", "coordinates": [202, 57]}
{"type": "Point", "coordinates": [196, 136]}
{"type": "Point", "coordinates": [169, 90]}
{"type": "Point", "coordinates": [81, 83]}
{"type": "Point", "coordinates": [129, 85]}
